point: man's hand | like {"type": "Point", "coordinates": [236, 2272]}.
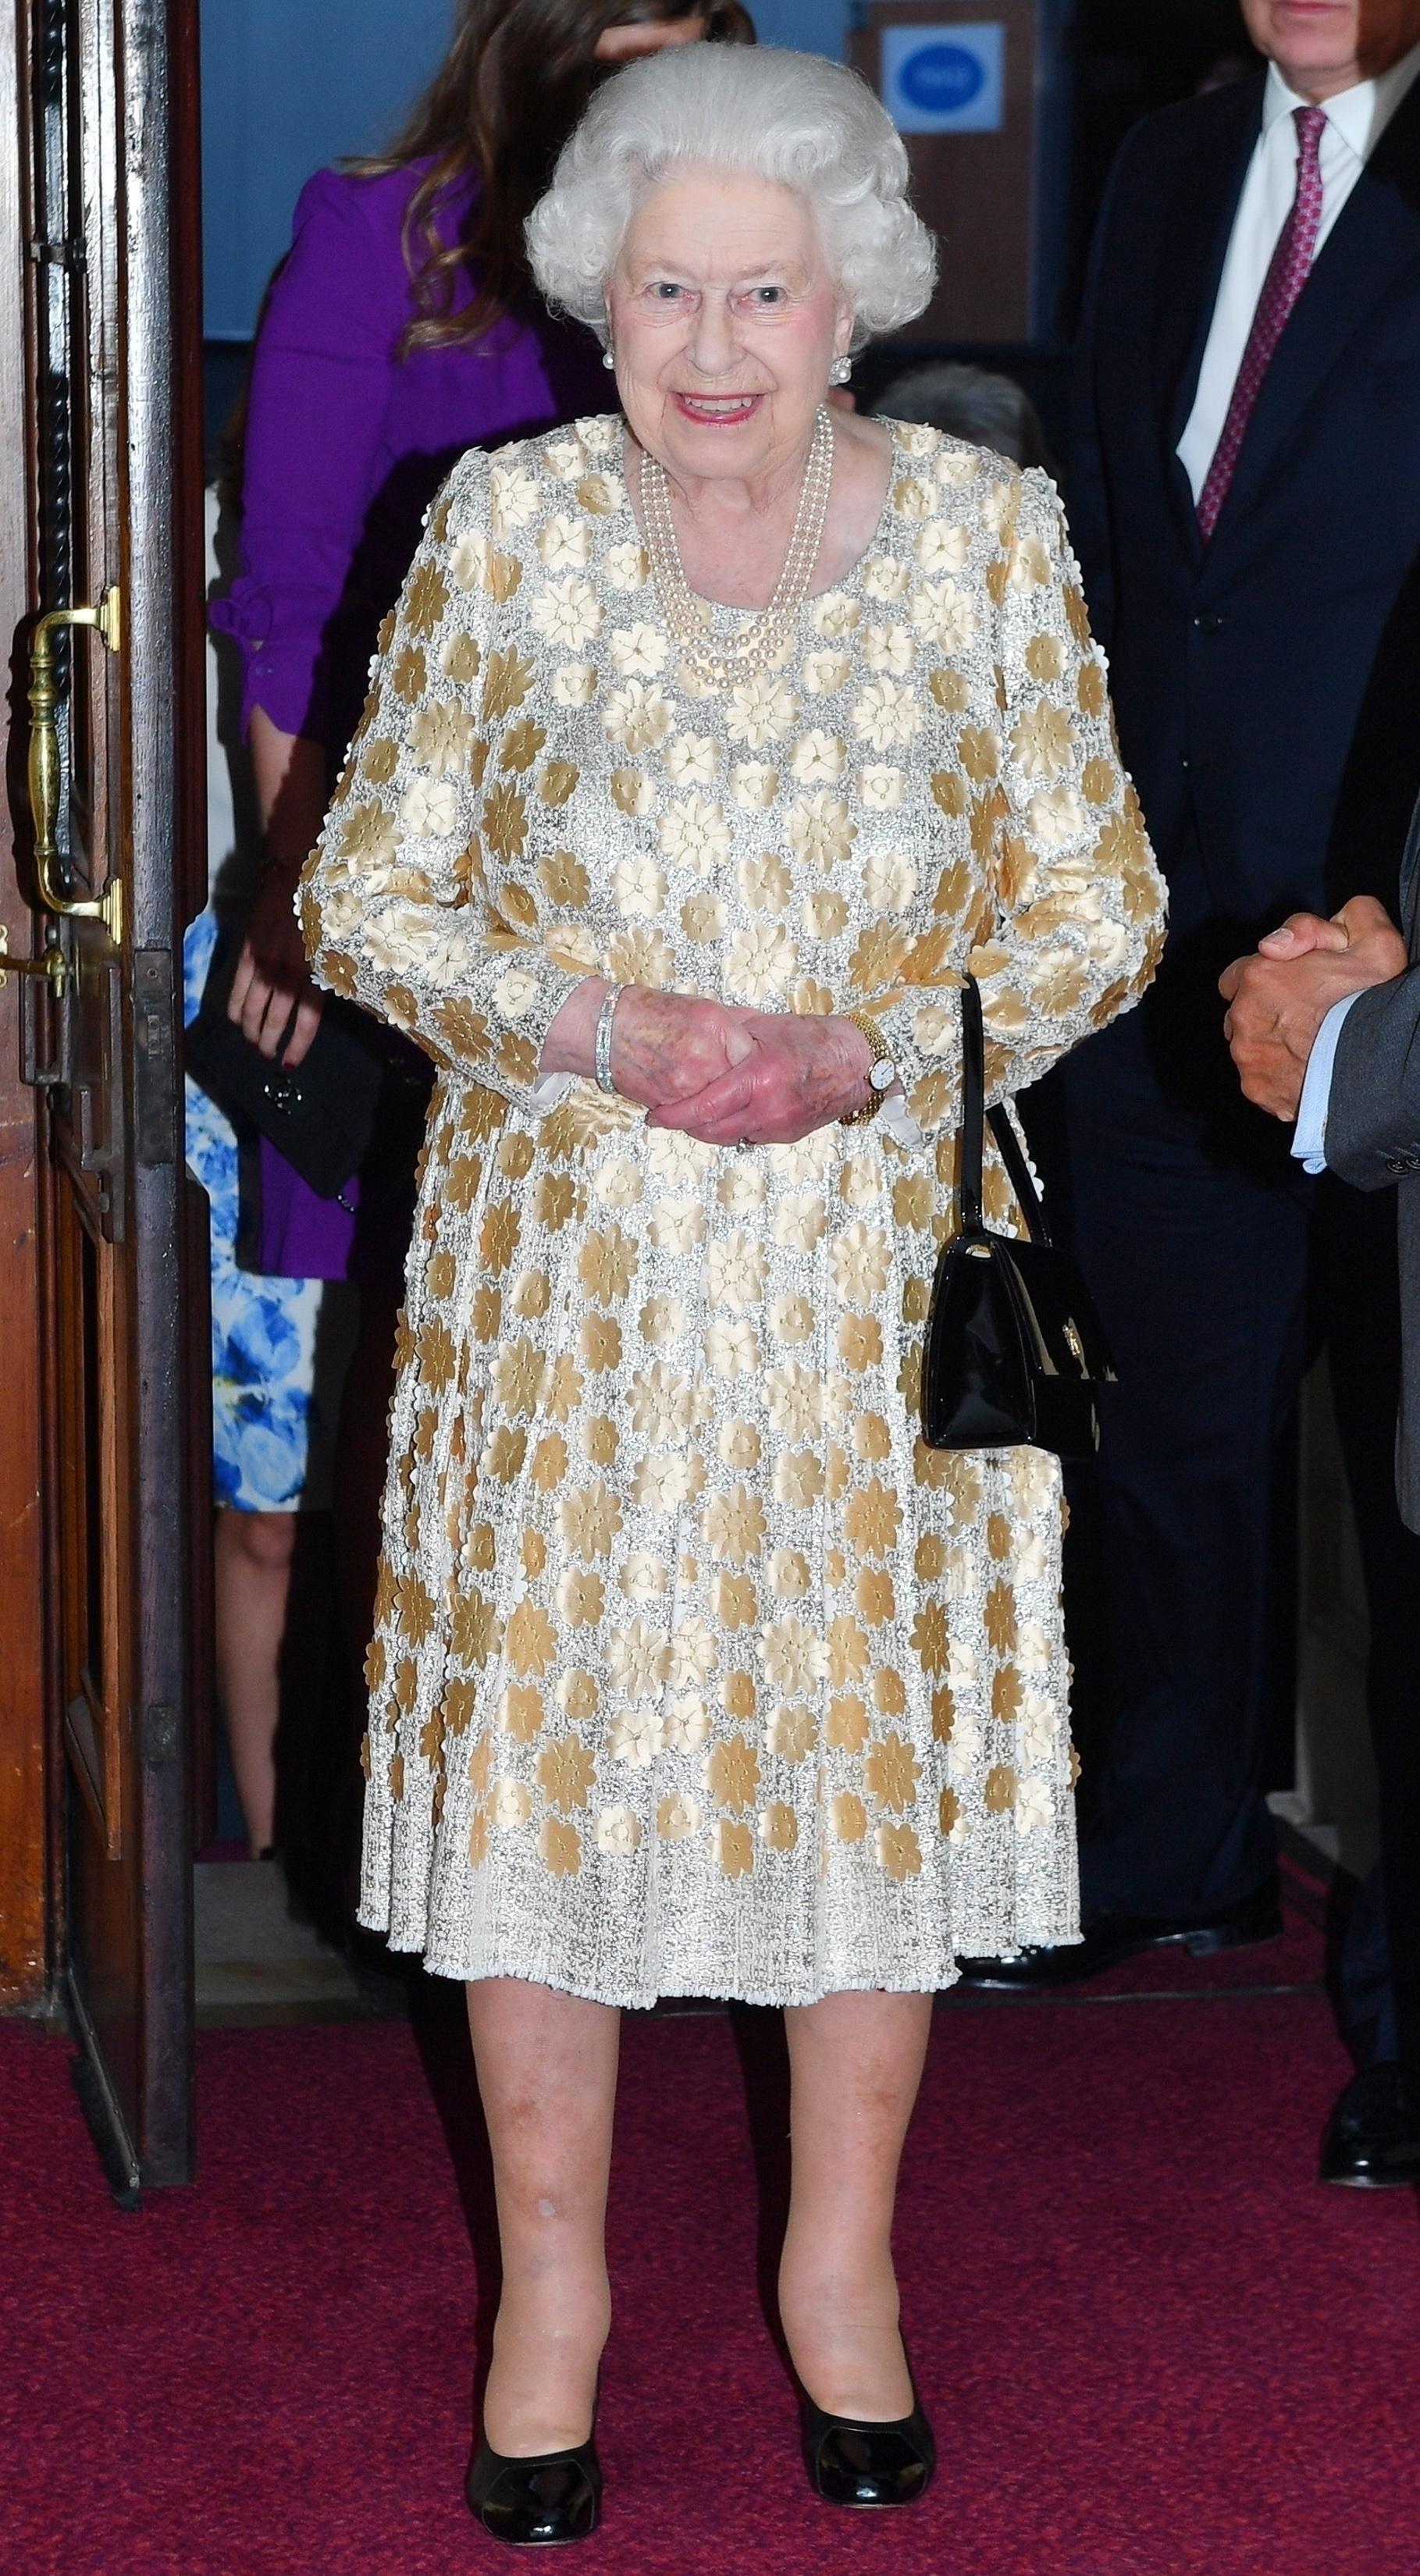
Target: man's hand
{"type": "Point", "coordinates": [1278, 999]}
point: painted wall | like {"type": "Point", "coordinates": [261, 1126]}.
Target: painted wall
{"type": "Point", "coordinates": [285, 89]}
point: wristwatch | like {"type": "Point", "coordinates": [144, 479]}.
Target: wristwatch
{"type": "Point", "coordinates": [882, 1072]}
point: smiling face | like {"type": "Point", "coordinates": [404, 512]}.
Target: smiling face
{"type": "Point", "coordinates": [725, 322]}
{"type": "Point", "coordinates": [1325, 46]}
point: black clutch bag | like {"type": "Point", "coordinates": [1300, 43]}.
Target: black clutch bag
{"type": "Point", "coordinates": [1015, 1348]}
{"type": "Point", "coordinates": [321, 1113]}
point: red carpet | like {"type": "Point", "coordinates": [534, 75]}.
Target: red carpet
{"type": "Point", "coordinates": [1152, 2344]}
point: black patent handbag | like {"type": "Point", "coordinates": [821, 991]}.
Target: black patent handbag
{"type": "Point", "coordinates": [1015, 1349]}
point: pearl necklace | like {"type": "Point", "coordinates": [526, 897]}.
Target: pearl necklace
{"type": "Point", "coordinates": [761, 644]}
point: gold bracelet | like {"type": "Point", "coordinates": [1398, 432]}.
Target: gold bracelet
{"type": "Point", "coordinates": [882, 1072]}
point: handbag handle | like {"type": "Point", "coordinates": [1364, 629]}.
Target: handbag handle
{"type": "Point", "coordinates": [975, 1118]}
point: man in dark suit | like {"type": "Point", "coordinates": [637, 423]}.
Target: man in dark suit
{"type": "Point", "coordinates": [1323, 1024]}
{"type": "Point", "coordinates": [1247, 510]}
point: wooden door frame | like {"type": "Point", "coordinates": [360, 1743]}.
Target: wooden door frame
{"type": "Point", "coordinates": [29, 1871]}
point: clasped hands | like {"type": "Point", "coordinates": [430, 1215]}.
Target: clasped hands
{"type": "Point", "coordinates": [1278, 998]}
{"type": "Point", "coordinates": [714, 1070]}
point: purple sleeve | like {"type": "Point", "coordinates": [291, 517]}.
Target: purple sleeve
{"type": "Point", "coordinates": [322, 378]}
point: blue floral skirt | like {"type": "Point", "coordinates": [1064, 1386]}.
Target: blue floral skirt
{"type": "Point", "coordinates": [280, 1347]}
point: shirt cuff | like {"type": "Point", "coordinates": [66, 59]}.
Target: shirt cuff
{"type": "Point", "coordinates": [1309, 1134]}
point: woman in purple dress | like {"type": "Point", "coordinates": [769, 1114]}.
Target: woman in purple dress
{"type": "Point", "coordinates": [401, 329]}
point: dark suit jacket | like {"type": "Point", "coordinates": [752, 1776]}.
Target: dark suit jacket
{"type": "Point", "coordinates": [1373, 1141]}
{"type": "Point", "coordinates": [1267, 685]}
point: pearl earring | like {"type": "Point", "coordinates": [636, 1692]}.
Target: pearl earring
{"type": "Point", "coordinates": [840, 371]}
{"type": "Point", "coordinates": [609, 358]}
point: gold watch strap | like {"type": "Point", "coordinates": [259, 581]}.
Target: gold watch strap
{"type": "Point", "coordinates": [881, 1053]}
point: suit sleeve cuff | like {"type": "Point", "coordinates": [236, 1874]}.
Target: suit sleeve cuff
{"type": "Point", "coordinates": [1309, 1135]}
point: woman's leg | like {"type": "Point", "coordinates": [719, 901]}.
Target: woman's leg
{"type": "Point", "coordinates": [547, 2073]}
{"type": "Point", "coordinates": [855, 2063]}
{"type": "Point", "coordinates": [253, 1585]}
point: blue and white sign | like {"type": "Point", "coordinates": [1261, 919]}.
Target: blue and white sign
{"type": "Point", "coordinates": [945, 80]}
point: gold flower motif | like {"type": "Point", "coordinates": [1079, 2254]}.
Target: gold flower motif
{"type": "Point", "coordinates": [510, 1805]}
{"type": "Point", "coordinates": [607, 1263]}
{"type": "Point", "coordinates": [618, 1833]}
{"type": "Point", "coordinates": [735, 1600]}
{"type": "Point", "coordinates": [999, 1794]}
{"type": "Point", "coordinates": [580, 1598]}
{"type": "Point", "coordinates": [735, 1272]}
{"type": "Point", "coordinates": [860, 1343]}
{"type": "Point", "coordinates": [930, 1641]}
{"type": "Point", "coordinates": [565, 1771]}
{"type": "Point", "coordinates": [847, 1816]}
{"type": "Point", "coordinates": [636, 1737]}
{"type": "Point", "coordinates": [898, 1850]}
{"type": "Point", "coordinates": [891, 1771]}
{"type": "Point", "coordinates": [508, 676]}
{"type": "Point", "coordinates": [792, 1319]}
{"type": "Point", "coordinates": [732, 1773]}
{"type": "Point", "coordinates": [861, 1259]}
{"type": "Point", "coordinates": [560, 1845]}
{"type": "Point", "coordinates": [600, 1343]}
{"type": "Point", "coordinates": [872, 1518]}
{"type": "Point", "coordinates": [637, 716]}
{"type": "Point", "coordinates": [531, 1640]}
{"type": "Point", "coordinates": [734, 1525]}
{"type": "Point", "coordinates": [779, 1826]}
{"type": "Point", "coordinates": [798, 1478]}
{"type": "Point", "coordinates": [790, 1733]}
{"type": "Point", "coordinates": [734, 1849]}
{"type": "Point", "coordinates": [1000, 1618]}
{"type": "Point", "coordinates": [638, 1659]}
{"type": "Point", "coordinates": [640, 957]}
{"type": "Point", "coordinates": [847, 1723]}
{"type": "Point", "coordinates": [589, 1517]}
{"type": "Point", "coordinates": [821, 830]}
{"type": "Point", "coordinates": [577, 1696]}
{"type": "Point", "coordinates": [792, 1656]}
{"type": "Point", "coordinates": [1043, 743]}
{"type": "Point", "coordinates": [520, 1712]}
{"type": "Point", "coordinates": [732, 1348]}
{"type": "Point", "coordinates": [677, 1818]}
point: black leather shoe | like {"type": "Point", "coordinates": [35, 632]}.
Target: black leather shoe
{"type": "Point", "coordinates": [1372, 2138]}
{"type": "Point", "coordinates": [1110, 1938]}
{"type": "Point", "coordinates": [537, 2503]}
{"type": "Point", "coordinates": [868, 2464]}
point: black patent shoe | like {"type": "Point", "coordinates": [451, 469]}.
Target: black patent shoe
{"type": "Point", "coordinates": [867, 2465]}
{"type": "Point", "coordinates": [536, 2503]}
{"type": "Point", "coordinates": [1372, 2138]}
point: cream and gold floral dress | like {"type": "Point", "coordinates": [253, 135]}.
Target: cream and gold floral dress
{"type": "Point", "coordinates": [695, 1673]}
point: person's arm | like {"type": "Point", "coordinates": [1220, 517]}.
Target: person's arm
{"type": "Point", "coordinates": [319, 393]}
{"type": "Point", "coordinates": [396, 907]}
{"type": "Point", "coordinates": [1373, 1116]}
{"type": "Point", "coordinates": [272, 978]}
{"type": "Point", "coordinates": [1069, 919]}
{"type": "Point", "coordinates": [1068, 907]}
{"type": "Point", "coordinates": [1280, 1001]}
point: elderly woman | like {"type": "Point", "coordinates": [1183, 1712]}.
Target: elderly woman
{"type": "Point", "coordinates": [707, 754]}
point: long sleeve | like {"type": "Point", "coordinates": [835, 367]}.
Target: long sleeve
{"type": "Point", "coordinates": [1373, 1111]}
{"type": "Point", "coordinates": [325, 365]}
{"type": "Point", "coordinates": [1072, 925]}
{"type": "Point", "coordinates": [395, 904]}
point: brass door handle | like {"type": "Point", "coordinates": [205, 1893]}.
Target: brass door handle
{"type": "Point", "coordinates": [52, 965]}
{"type": "Point", "coordinates": [44, 770]}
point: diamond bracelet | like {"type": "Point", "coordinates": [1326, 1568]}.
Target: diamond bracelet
{"type": "Point", "coordinates": [601, 1056]}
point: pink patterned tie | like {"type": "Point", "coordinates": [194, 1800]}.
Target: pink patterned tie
{"type": "Point", "coordinates": [1291, 265]}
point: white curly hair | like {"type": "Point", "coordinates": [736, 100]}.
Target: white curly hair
{"type": "Point", "coordinates": [797, 119]}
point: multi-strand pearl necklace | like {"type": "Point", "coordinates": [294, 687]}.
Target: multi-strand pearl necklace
{"type": "Point", "coordinates": [759, 646]}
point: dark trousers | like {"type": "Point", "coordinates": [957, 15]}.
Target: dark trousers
{"type": "Point", "coordinates": [1220, 1268]}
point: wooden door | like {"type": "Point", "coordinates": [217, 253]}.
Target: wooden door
{"type": "Point", "coordinates": [104, 95]}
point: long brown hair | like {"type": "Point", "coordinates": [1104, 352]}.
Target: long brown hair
{"type": "Point", "coordinates": [499, 109]}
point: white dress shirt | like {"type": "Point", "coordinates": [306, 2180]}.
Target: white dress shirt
{"type": "Point", "coordinates": [1355, 121]}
